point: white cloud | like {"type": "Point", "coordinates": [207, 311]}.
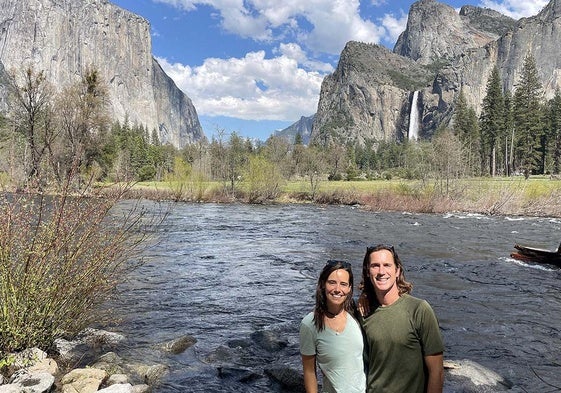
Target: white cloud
{"type": "Point", "coordinates": [251, 88]}
{"type": "Point", "coordinates": [287, 86]}
{"type": "Point", "coordinates": [295, 52]}
{"type": "Point", "coordinates": [394, 26]}
{"type": "Point", "coordinates": [516, 8]}
{"type": "Point", "coordinates": [322, 26]}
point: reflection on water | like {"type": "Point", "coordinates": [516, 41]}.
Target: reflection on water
{"type": "Point", "coordinates": [224, 272]}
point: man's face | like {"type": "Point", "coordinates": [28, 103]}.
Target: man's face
{"type": "Point", "coordinates": [383, 271]}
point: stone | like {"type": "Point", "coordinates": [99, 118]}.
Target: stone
{"type": "Point", "coordinates": [38, 382]}
{"type": "Point", "coordinates": [83, 380]}
{"type": "Point", "coordinates": [117, 379]}
{"type": "Point", "coordinates": [288, 377]}
{"type": "Point", "coordinates": [179, 345]}
{"type": "Point", "coordinates": [151, 375]}
{"type": "Point", "coordinates": [269, 340]}
{"type": "Point", "coordinates": [471, 377]}
{"type": "Point", "coordinates": [141, 389]}
{"type": "Point", "coordinates": [118, 388]}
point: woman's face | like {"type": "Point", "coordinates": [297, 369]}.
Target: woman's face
{"type": "Point", "coordinates": [337, 288]}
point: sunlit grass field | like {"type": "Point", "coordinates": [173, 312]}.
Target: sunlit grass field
{"type": "Point", "coordinates": [538, 195]}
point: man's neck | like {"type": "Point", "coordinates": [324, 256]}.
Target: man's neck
{"type": "Point", "coordinates": [388, 297]}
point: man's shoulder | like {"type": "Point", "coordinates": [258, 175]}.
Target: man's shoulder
{"type": "Point", "coordinates": [413, 302]}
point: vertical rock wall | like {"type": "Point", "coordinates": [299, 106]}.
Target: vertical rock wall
{"type": "Point", "coordinates": [64, 37]}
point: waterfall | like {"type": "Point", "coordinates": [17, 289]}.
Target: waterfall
{"type": "Point", "coordinates": [413, 133]}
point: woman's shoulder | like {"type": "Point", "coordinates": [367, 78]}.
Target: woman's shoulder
{"type": "Point", "coordinates": [308, 319]}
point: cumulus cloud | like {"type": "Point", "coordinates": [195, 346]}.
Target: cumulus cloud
{"type": "Point", "coordinates": [322, 26]}
{"type": "Point", "coordinates": [516, 8]}
{"type": "Point", "coordinates": [303, 34]}
{"type": "Point", "coordinates": [394, 26]}
{"type": "Point", "coordinates": [251, 88]}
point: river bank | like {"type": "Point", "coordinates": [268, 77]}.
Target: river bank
{"type": "Point", "coordinates": [514, 196]}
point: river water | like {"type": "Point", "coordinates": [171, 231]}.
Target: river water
{"type": "Point", "coordinates": [226, 273]}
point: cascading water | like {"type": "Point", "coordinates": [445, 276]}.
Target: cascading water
{"type": "Point", "coordinates": [413, 133]}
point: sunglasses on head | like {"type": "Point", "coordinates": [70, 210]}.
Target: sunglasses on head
{"type": "Point", "coordinates": [334, 262]}
{"type": "Point", "coordinates": [378, 247]}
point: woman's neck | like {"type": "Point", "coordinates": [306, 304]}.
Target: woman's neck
{"type": "Point", "coordinates": [334, 312]}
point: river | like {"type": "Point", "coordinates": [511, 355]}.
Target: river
{"type": "Point", "coordinates": [225, 272]}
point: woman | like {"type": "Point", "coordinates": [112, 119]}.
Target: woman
{"type": "Point", "coordinates": [331, 337]}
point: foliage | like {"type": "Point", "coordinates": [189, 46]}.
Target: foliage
{"type": "Point", "coordinates": [61, 257]}
{"type": "Point", "coordinates": [263, 180]}
{"type": "Point", "coordinates": [492, 123]}
{"type": "Point", "coordinates": [552, 142]}
{"type": "Point", "coordinates": [466, 128]}
{"type": "Point", "coordinates": [528, 122]}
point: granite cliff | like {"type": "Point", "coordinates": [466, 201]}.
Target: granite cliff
{"type": "Point", "coordinates": [302, 127]}
{"type": "Point", "coordinates": [370, 95]}
{"type": "Point", "coordinates": [64, 37]}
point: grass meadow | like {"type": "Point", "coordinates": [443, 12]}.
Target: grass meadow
{"type": "Point", "coordinates": [536, 196]}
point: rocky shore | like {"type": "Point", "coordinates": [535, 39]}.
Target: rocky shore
{"type": "Point", "coordinates": [102, 370]}
{"type": "Point", "coordinates": [33, 371]}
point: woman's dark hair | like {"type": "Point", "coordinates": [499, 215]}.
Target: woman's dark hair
{"type": "Point", "coordinates": [366, 285]}
{"type": "Point", "coordinates": [321, 301]}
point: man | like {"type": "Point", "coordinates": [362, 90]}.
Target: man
{"type": "Point", "coordinates": [403, 342]}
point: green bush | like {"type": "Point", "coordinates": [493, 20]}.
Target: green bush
{"type": "Point", "coordinates": [61, 257]}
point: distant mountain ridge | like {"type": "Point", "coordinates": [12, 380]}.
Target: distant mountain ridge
{"type": "Point", "coordinates": [370, 94]}
{"type": "Point", "coordinates": [63, 37]}
{"type": "Point", "coordinates": [302, 127]}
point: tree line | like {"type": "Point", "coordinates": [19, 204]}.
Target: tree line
{"type": "Point", "coordinates": [516, 133]}
{"type": "Point", "coordinates": [47, 135]}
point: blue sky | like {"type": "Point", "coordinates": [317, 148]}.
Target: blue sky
{"type": "Point", "coordinates": [255, 66]}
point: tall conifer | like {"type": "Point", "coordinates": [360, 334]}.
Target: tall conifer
{"type": "Point", "coordinates": [492, 122]}
{"type": "Point", "coordinates": [527, 112]}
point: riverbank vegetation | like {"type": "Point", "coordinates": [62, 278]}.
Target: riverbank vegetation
{"type": "Point", "coordinates": [536, 196]}
{"type": "Point", "coordinates": [61, 258]}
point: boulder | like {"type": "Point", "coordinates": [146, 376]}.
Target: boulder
{"type": "Point", "coordinates": [468, 376]}
{"type": "Point", "coordinates": [83, 380]}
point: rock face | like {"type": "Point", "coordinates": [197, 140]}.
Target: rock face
{"type": "Point", "coordinates": [302, 127]}
{"type": "Point", "coordinates": [436, 32]}
{"type": "Point", "coordinates": [64, 37]}
{"type": "Point", "coordinates": [369, 96]}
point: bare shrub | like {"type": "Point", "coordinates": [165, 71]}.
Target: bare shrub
{"type": "Point", "coordinates": [61, 257]}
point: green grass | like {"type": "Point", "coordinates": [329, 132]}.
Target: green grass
{"type": "Point", "coordinates": [538, 195]}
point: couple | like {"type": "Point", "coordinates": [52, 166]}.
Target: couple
{"type": "Point", "coordinates": [404, 348]}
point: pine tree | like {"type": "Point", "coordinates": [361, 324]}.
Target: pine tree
{"type": "Point", "coordinates": [553, 135]}
{"type": "Point", "coordinates": [527, 113]}
{"type": "Point", "coordinates": [509, 133]}
{"type": "Point", "coordinates": [492, 122]}
{"type": "Point", "coordinates": [467, 130]}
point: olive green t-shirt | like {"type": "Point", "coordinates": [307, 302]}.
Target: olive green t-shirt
{"type": "Point", "coordinates": [398, 337]}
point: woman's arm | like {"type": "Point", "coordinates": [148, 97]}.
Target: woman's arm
{"type": "Point", "coordinates": [310, 376]}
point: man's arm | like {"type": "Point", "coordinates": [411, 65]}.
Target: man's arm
{"type": "Point", "coordinates": [310, 376]}
{"type": "Point", "coordinates": [435, 377]}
